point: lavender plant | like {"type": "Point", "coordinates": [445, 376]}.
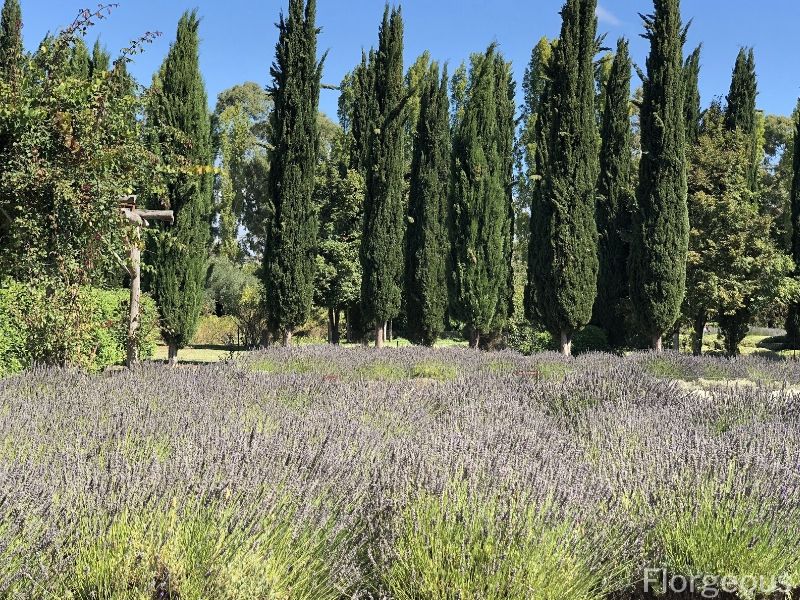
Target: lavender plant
{"type": "Point", "coordinates": [414, 473]}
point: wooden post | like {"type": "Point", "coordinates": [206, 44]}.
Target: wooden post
{"type": "Point", "coordinates": [139, 219]}
{"type": "Point", "coordinates": [134, 320]}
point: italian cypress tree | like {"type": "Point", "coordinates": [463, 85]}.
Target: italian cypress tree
{"type": "Point", "coordinates": [80, 62]}
{"type": "Point", "coordinates": [741, 111]}
{"type": "Point", "coordinates": [692, 110]}
{"type": "Point", "coordinates": [480, 211]}
{"type": "Point", "coordinates": [364, 117]}
{"type": "Point", "coordinates": [384, 218]}
{"type": "Point", "coordinates": [427, 240]}
{"type": "Point", "coordinates": [179, 116]}
{"type": "Point", "coordinates": [10, 38]}
{"type": "Point", "coordinates": [614, 198]}
{"type": "Point", "coordinates": [101, 59]}
{"type": "Point", "coordinates": [793, 320]}
{"type": "Point", "coordinates": [289, 258]}
{"type": "Point", "coordinates": [563, 261]}
{"type": "Point", "coordinates": [660, 231]}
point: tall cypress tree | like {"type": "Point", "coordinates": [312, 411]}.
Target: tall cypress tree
{"type": "Point", "coordinates": [793, 320]}
{"type": "Point", "coordinates": [384, 218]}
{"type": "Point", "coordinates": [179, 115]}
{"type": "Point", "coordinates": [741, 113]}
{"type": "Point", "coordinates": [614, 195]}
{"type": "Point", "coordinates": [563, 263]}
{"type": "Point", "coordinates": [692, 110]}
{"type": "Point", "coordinates": [660, 231]}
{"type": "Point", "coordinates": [10, 38]}
{"type": "Point", "coordinates": [427, 241]}
{"type": "Point", "coordinates": [480, 211]}
{"type": "Point", "coordinates": [289, 258]}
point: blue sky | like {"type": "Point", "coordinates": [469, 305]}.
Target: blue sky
{"type": "Point", "coordinates": [238, 36]}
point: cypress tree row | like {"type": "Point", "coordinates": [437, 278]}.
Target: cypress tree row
{"type": "Point", "coordinates": [692, 110]}
{"type": "Point", "coordinates": [480, 208]}
{"type": "Point", "coordinates": [384, 218]}
{"type": "Point", "coordinates": [660, 230]}
{"type": "Point", "coordinates": [364, 117]}
{"type": "Point", "coordinates": [614, 195]}
{"type": "Point", "coordinates": [563, 263]}
{"type": "Point", "coordinates": [10, 38]}
{"type": "Point", "coordinates": [793, 320]}
{"type": "Point", "coordinates": [290, 252]}
{"type": "Point", "coordinates": [427, 241]}
{"type": "Point", "coordinates": [179, 113]}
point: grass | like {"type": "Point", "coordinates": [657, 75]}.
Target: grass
{"type": "Point", "coordinates": [197, 354]}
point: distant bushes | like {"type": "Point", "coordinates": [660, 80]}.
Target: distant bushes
{"type": "Point", "coordinates": [528, 340]}
{"type": "Point", "coordinates": [36, 328]}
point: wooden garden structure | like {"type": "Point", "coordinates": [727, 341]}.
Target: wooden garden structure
{"type": "Point", "coordinates": [139, 218]}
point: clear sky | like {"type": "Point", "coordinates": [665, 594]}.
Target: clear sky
{"type": "Point", "coordinates": [238, 36]}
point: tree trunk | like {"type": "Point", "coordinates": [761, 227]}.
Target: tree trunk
{"type": "Point", "coordinates": [565, 345]}
{"type": "Point", "coordinates": [390, 330]}
{"type": "Point", "coordinates": [475, 339]}
{"type": "Point", "coordinates": [336, 336]}
{"type": "Point", "coordinates": [676, 340]}
{"type": "Point", "coordinates": [380, 330]}
{"type": "Point", "coordinates": [656, 343]}
{"type": "Point", "coordinates": [349, 331]}
{"type": "Point", "coordinates": [287, 338]}
{"type": "Point", "coordinates": [330, 326]}
{"type": "Point", "coordinates": [699, 330]}
{"type": "Point", "coordinates": [134, 321]}
{"type": "Point", "coordinates": [172, 358]}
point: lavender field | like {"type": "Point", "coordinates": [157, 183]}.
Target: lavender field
{"type": "Point", "coordinates": [404, 474]}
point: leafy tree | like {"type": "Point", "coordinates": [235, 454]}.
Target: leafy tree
{"type": "Point", "coordinates": [427, 239]}
{"type": "Point", "coordinates": [793, 320]}
{"type": "Point", "coordinates": [692, 110]}
{"type": "Point", "coordinates": [384, 219]}
{"type": "Point", "coordinates": [68, 150]}
{"type": "Point", "coordinates": [733, 266]}
{"type": "Point", "coordinates": [80, 60]}
{"type": "Point", "coordinates": [290, 253]}
{"type": "Point", "coordinates": [11, 49]}
{"type": "Point", "coordinates": [178, 115]}
{"type": "Point", "coordinates": [100, 61]}
{"type": "Point", "coordinates": [480, 205]}
{"type": "Point", "coordinates": [242, 137]}
{"type": "Point", "coordinates": [614, 197]}
{"type": "Point", "coordinates": [660, 231]}
{"type": "Point", "coordinates": [340, 197]}
{"type": "Point", "coordinates": [777, 174]}
{"type": "Point", "coordinates": [240, 292]}
{"type": "Point", "coordinates": [563, 264]}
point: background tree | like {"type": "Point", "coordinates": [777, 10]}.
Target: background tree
{"type": "Point", "coordinates": [480, 207]}
{"type": "Point", "coordinates": [733, 266]}
{"type": "Point", "coordinates": [242, 137]}
{"type": "Point", "coordinates": [741, 112]}
{"type": "Point", "coordinates": [179, 119]}
{"type": "Point", "coordinates": [793, 320]}
{"type": "Point", "coordinates": [11, 48]}
{"type": "Point", "coordinates": [660, 231]}
{"type": "Point", "coordinates": [289, 256]}
{"type": "Point", "coordinates": [563, 263]}
{"type": "Point", "coordinates": [614, 196]}
{"type": "Point", "coordinates": [427, 239]}
{"type": "Point", "coordinates": [384, 218]}
{"type": "Point", "coordinates": [691, 99]}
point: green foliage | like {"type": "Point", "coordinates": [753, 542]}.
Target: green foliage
{"type": "Point", "coordinates": [427, 237]}
{"type": "Point", "coordinates": [463, 545]}
{"type": "Point", "coordinates": [382, 253]}
{"type": "Point", "coordinates": [614, 199]}
{"type": "Point", "coordinates": [201, 551]}
{"type": "Point", "coordinates": [291, 237]}
{"type": "Point", "coordinates": [88, 330]}
{"type": "Point", "coordinates": [660, 232]}
{"type": "Point", "coordinates": [793, 320]}
{"type": "Point", "coordinates": [179, 122]}
{"type": "Point", "coordinates": [692, 110]}
{"type": "Point", "coordinates": [481, 215]}
{"type": "Point", "coordinates": [241, 133]}
{"type": "Point", "coordinates": [240, 292]}
{"type": "Point", "coordinates": [563, 263]}
{"type": "Point", "coordinates": [741, 110]}
{"type": "Point", "coordinates": [733, 268]}
{"type": "Point", "coordinates": [11, 49]}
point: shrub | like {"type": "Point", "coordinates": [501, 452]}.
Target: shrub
{"type": "Point", "coordinates": [35, 327]}
{"type": "Point", "coordinates": [590, 339]}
